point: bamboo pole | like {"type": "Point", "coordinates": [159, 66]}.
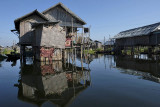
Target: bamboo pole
{"type": "Point", "coordinates": [75, 56]}
{"type": "Point", "coordinates": [82, 43]}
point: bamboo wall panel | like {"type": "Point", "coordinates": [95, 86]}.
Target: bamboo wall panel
{"type": "Point", "coordinates": [50, 36]}
{"type": "Point", "coordinates": [26, 32]}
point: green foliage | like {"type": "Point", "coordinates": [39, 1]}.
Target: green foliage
{"type": "Point", "coordinates": [89, 51]}
{"type": "Point", "coordinates": [108, 49]}
{"type": "Point", "coordinates": [7, 51]}
{"type": "Point", "coordinates": [99, 49]}
{"type": "Point", "coordinates": [136, 50]}
{"type": "Point", "coordinates": [128, 52]}
{"type": "Point", "coordinates": [93, 51]}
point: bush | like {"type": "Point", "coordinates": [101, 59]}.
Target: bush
{"type": "Point", "coordinates": [7, 51]}
{"type": "Point", "coordinates": [99, 49]}
{"type": "Point", "coordinates": [90, 51]}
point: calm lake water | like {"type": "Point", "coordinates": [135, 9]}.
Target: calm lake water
{"type": "Point", "coordinates": [104, 81]}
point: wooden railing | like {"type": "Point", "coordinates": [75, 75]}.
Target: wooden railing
{"type": "Point", "coordinates": [79, 38]}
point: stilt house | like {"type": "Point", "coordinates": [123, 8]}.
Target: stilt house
{"type": "Point", "coordinates": [143, 36]}
{"type": "Point", "coordinates": [50, 32]}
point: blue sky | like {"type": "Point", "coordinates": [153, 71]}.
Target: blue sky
{"type": "Point", "coordinates": [106, 17]}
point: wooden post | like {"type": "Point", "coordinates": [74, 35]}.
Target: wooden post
{"type": "Point", "coordinates": [82, 57]}
{"type": "Point", "coordinates": [81, 51]}
{"type": "Point", "coordinates": [21, 53]}
{"type": "Point", "coordinates": [69, 55]}
{"type": "Point", "coordinates": [153, 48]}
{"type": "Point", "coordinates": [24, 54]}
{"type": "Point", "coordinates": [138, 50]}
{"type": "Point", "coordinates": [72, 56]}
{"type": "Point", "coordinates": [82, 43]}
{"type": "Point", "coordinates": [124, 50]}
{"type": "Point", "coordinates": [75, 56]}
{"type": "Point", "coordinates": [88, 40]}
{"type": "Point", "coordinates": [132, 50]}
{"type": "Point", "coordinates": [64, 57]}
{"type": "Point", "coordinates": [149, 50]}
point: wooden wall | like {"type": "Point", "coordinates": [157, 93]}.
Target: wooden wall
{"type": "Point", "coordinates": [155, 39]}
{"type": "Point", "coordinates": [149, 40]}
{"type": "Point", "coordinates": [50, 36]}
{"type": "Point", "coordinates": [133, 41]}
{"type": "Point", "coordinates": [26, 32]}
{"type": "Point", "coordinates": [58, 13]}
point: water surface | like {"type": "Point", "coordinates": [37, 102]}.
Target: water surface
{"type": "Point", "coordinates": [102, 81]}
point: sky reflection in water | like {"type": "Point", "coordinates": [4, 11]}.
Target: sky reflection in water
{"type": "Point", "coordinates": [105, 81]}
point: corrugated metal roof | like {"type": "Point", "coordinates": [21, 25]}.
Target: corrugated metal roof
{"type": "Point", "coordinates": [111, 42]}
{"type": "Point", "coordinates": [141, 31]}
{"type": "Point", "coordinates": [66, 9]}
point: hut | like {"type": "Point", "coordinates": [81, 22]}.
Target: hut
{"type": "Point", "coordinates": [142, 36]}
{"type": "Point", "coordinates": [91, 44]}
{"type": "Point", "coordinates": [109, 45]}
{"type": "Point", "coordinates": [70, 22]}
{"type": "Point", "coordinates": [98, 44]}
{"type": "Point", "coordinates": [50, 32]}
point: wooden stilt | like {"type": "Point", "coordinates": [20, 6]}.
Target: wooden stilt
{"type": "Point", "coordinates": [75, 55]}
{"type": "Point", "coordinates": [132, 50]}
{"type": "Point", "coordinates": [149, 50]}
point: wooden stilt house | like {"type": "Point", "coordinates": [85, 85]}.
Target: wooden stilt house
{"type": "Point", "coordinates": [70, 22]}
{"type": "Point", "coordinates": [142, 36]}
{"type": "Point", "coordinates": [50, 32]}
{"type": "Point", "coordinates": [145, 36]}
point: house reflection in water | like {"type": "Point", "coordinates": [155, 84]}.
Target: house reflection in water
{"type": "Point", "coordinates": [54, 82]}
{"type": "Point", "coordinates": [89, 58]}
{"type": "Point", "coordinates": [145, 68]}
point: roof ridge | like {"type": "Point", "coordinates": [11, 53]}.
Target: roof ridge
{"type": "Point", "coordinates": [140, 27]}
{"type": "Point", "coordinates": [139, 31]}
{"type": "Point", "coordinates": [17, 21]}
{"type": "Point", "coordinates": [66, 9]}
{"type": "Point", "coordinates": [30, 14]}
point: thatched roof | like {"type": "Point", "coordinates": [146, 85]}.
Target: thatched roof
{"type": "Point", "coordinates": [140, 31]}
{"type": "Point", "coordinates": [17, 21]}
{"type": "Point", "coordinates": [67, 10]}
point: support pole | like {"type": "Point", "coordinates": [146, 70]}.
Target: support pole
{"type": "Point", "coordinates": [75, 56]}
{"type": "Point", "coordinates": [132, 50]}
